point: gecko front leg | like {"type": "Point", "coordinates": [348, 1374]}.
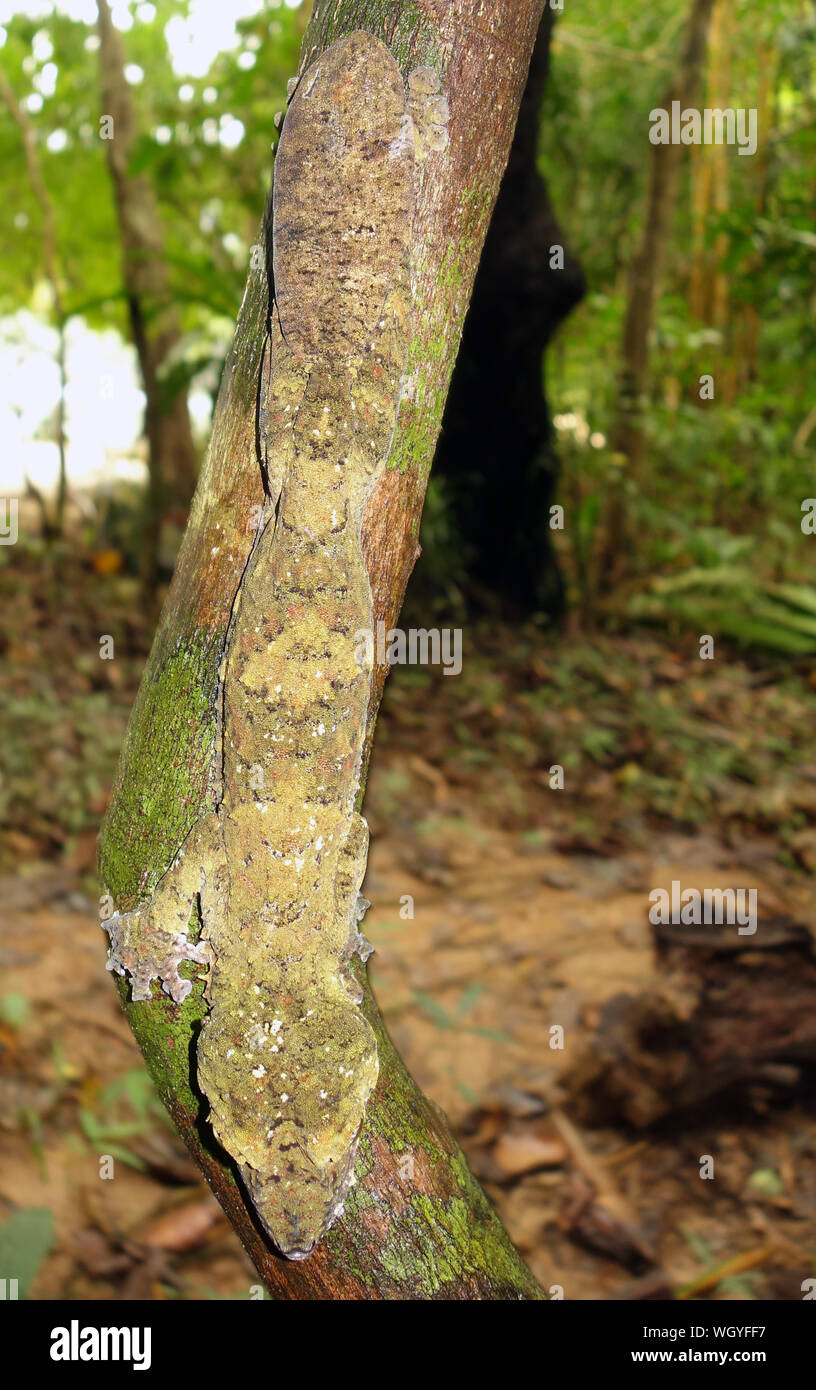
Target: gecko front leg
{"type": "Point", "coordinates": [429, 112]}
{"type": "Point", "coordinates": [350, 904]}
{"type": "Point", "coordinates": [151, 942]}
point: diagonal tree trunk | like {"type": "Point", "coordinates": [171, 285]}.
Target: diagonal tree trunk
{"type": "Point", "coordinates": [416, 1223]}
{"type": "Point", "coordinates": [154, 322]}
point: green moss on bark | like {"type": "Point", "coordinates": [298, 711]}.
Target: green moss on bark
{"type": "Point", "coordinates": [405, 28]}
{"type": "Point", "coordinates": [454, 1247]}
{"type": "Point", "coordinates": [434, 346]}
{"type": "Point", "coordinates": [164, 769]}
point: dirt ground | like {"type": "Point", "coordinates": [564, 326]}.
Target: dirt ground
{"type": "Point", "coordinates": [639, 1110]}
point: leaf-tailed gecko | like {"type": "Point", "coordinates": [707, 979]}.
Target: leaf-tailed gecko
{"type": "Point", "coordinates": [286, 1059]}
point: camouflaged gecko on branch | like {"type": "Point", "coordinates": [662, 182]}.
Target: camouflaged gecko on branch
{"type": "Point", "coordinates": [286, 1059]}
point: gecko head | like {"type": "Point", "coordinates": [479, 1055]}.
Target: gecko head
{"type": "Point", "coordinates": [296, 1207]}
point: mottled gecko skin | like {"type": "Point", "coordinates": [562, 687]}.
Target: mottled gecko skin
{"type": "Point", "coordinates": [286, 1059]}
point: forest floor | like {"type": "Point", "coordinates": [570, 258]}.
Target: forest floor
{"type": "Point", "coordinates": [639, 1108]}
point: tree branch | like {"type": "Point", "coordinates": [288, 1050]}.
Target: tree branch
{"type": "Point", "coordinates": [416, 1224]}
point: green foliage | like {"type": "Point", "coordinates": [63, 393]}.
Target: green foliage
{"type": "Point", "coordinates": [209, 193]}
{"type": "Point", "coordinates": [724, 479]}
{"type": "Point", "coordinates": [733, 602]}
{"type": "Point", "coordinates": [25, 1239]}
{"type": "Point", "coordinates": [15, 1010]}
{"type": "Point", "coordinates": [127, 1108]}
{"type": "Point", "coordinates": [736, 467]}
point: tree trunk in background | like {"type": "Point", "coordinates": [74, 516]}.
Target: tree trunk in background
{"type": "Point", "coordinates": [417, 1224]}
{"type": "Point", "coordinates": [53, 275]}
{"type": "Point", "coordinates": [154, 321]}
{"type": "Point", "coordinates": [746, 348]}
{"type": "Point", "coordinates": [708, 291]}
{"type": "Point", "coordinates": [700, 203]}
{"type": "Point", "coordinates": [644, 279]}
{"type": "Point", "coordinates": [719, 97]}
{"type": "Point", "coordinates": [499, 466]}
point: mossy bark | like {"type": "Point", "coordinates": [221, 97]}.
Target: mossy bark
{"type": "Point", "coordinates": [417, 1225]}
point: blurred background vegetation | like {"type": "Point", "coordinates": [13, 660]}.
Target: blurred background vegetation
{"type": "Point", "coordinates": [710, 526]}
{"type": "Point", "coordinates": [581, 631]}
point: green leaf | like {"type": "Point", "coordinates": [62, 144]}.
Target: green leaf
{"type": "Point", "coordinates": [797, 595]}
{"type": "Point", "coordinates": [469, 997]}
{"type": "Point", "coordinates": [435, 1012]}
{"type": "Point", "coordinates": [14, 1010]}
{"type": "Point", "coordinates": [25, 1240]}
